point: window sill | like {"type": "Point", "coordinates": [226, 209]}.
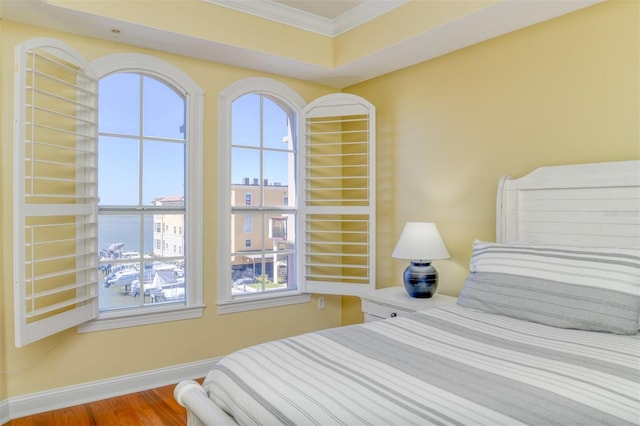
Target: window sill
{"type": "Point", "coordinates": [142, 316]}
{"type": "Point", "coordinates": [250, 303]}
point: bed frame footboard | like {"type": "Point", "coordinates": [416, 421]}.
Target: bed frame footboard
{"type": "Point", "coordinates": [200, 409]}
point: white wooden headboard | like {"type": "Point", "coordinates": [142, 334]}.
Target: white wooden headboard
{"type": "Point", "coordinates": [589, 205]}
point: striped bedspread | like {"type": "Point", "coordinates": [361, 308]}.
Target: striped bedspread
{"type": "Point", "coordinates": [444, 366]}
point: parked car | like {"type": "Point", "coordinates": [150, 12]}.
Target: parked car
{"type": "Point", "coordinates": [244, 280]}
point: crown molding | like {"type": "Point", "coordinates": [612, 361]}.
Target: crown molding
{"type": "Point", "coordinates": [362, 13]}
{"type": "Point", "coordinates": [497, 19]}
{"type": "Point", "coordinates": [297, 18]}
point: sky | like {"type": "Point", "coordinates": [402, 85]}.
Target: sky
{"type": "Point", "coordinates": [121, 124]}
{"type": "Point", "coordinates": [246, 131]}
{"type": "Point", "coordinates": [163, 160]}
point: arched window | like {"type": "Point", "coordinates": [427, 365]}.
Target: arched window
{"type": "Point", "coordinates": [149, 164]}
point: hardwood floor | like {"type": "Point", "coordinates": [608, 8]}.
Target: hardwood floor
{"type": "Point", "coordinates": [151, 407]}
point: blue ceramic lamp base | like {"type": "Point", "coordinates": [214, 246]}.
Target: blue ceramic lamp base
{"type": "Point", "coordinates": [420, 279]}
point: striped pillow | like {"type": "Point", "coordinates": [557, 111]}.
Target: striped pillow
{"type": "Point", "coordinates": [569, 287]}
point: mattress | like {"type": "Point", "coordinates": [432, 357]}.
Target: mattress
{"type": "Point", "coordinates": [450, 365]}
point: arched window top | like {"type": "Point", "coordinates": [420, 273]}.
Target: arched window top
{"type": "Point", "coordinates": [150, 65]}
{"type": "Point", "coordinates": [279, 92]}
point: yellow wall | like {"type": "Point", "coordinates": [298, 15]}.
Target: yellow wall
{"type": "Point", "coordinates": [79, 358]}
{"type": "Point", "coordinates": [561, 92]}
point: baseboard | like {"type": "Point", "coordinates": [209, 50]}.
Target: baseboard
{"type": "Point", "coordinates": [94, 391]}
{"type": "Point", "coordinates": [4, 412]}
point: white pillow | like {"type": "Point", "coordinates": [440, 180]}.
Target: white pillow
{"type": "Point", "coordinates": [570, 287]}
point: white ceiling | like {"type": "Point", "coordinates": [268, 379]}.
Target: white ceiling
{"type": "Point", "coordinates": [327, 17]}
{"type": "Point", "coordinates": [327, 9]}
{"type": "Point", "coordinates": [313, 15]}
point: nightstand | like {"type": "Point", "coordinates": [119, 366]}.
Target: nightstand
{"type": "Point", "coordinates": [395, 302]}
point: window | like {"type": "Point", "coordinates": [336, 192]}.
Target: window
{"type": "Point", "coordinates": [71, 243]}
{"type": "Point", "coordinates": [261, 124]}
{"type": "Point", "coordinates": [150, 120]}
{"type": "Point", "coordinates": [141, 174]}
{"type": "Point", "coordinates": [310, 171]}
{"type": "Point", "coordinates": [278, 228]}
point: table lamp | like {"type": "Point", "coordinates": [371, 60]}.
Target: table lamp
{"type": "Point", "coordinates": [420, 243]}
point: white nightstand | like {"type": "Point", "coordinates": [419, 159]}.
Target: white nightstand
{"type": "Point", "coordinates": [395, 302]}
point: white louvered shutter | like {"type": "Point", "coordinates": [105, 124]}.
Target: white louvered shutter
{"type": "Point", "coordinates": [55, 199]}
{"type": "Point", "coordinates": [338, 196]}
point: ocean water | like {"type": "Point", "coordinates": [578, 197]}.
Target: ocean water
{"type": "Point", "coordinates": [118, 229]}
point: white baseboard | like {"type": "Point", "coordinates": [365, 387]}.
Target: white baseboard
{"type": "Point", "coordinates": [4, 412]}
{"type": "Point", "coordinates": [27, 405]}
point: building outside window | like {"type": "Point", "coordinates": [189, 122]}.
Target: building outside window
{"type": "Point", "coordinates": [170, 221]}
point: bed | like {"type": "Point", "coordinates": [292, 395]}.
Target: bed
{"type": "Point", "coordinates": [544, 332]}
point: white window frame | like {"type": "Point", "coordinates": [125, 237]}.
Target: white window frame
{"type": "Point", "coordinates": [336, 104]}
{"type": "Point", "coordinates": [194, 98]}
{"type": "Point", "coordinates": [226, 302]}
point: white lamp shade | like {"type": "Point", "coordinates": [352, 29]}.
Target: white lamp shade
{"type": "Point", "coordinates": [420, 241]}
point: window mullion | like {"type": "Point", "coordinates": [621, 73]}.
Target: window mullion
{"type": "Point", "coordinates": [140, 139]}
{"type": "Point", "coordinates": [261, 215]}
{"type": "Point", "coordinates": [140, 177]}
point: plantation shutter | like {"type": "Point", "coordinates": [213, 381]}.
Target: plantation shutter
{"type": "Point", "coordinates": [55, 198]}
{"type": "Point", "coordinates": [338, 196]}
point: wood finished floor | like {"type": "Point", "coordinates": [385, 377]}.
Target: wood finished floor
{"type": "Point", "coordinates": [151, 407]}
